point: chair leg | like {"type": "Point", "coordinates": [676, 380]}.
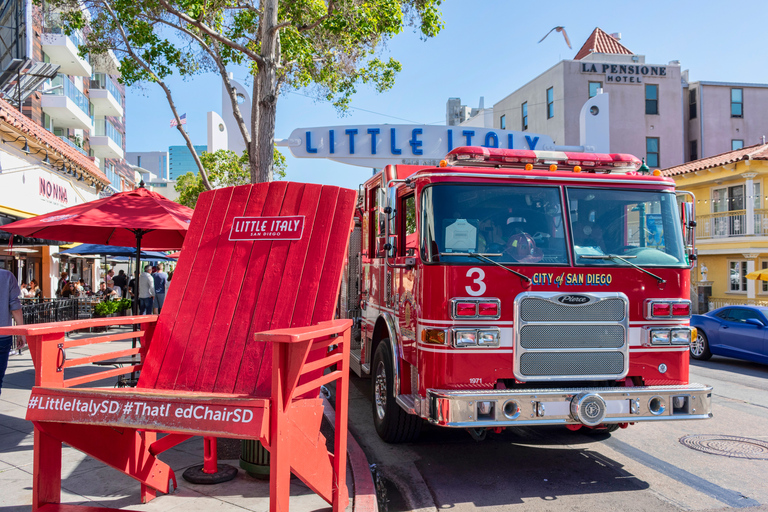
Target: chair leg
{"type": "Point", "coordinates": [279, 464]}
{"type": "Point", "coordinates": [46, 485]}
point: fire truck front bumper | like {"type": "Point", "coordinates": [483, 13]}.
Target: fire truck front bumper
{"type": "Point", "coordinates": [566, 406]}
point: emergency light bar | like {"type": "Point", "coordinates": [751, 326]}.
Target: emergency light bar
{"type": "Point", "coordinates": [497, 157]}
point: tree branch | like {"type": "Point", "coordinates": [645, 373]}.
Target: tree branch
{"type": "Point", "coordinates": [304, 28]}
{"type": "Point", "coordinates": [167, 91]}
{"type": "Point", "coordinates": [212, 33]}
{"type": "Point", "coordinates": [216, 56]}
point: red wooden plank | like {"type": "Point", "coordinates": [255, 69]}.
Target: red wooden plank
{"type": "Point", "coordinates": [231, 292]}
{"type": "Point", "coordinates": [336, 255]}
{"type": "Point", "coordinates": [176, 291]}
{"type": "Point", "coordinates": [305, 303]}
{"type": "Point", "coordinates": [236, 338]}
{"type": "Point", "coordinates": [60, 327]}
{"type": "Point", "coordinates": [212, 290]}
{"type": "Point", "coordinates": [103, 339]}
{"type": "Point", "coordinates": [307, 282]}
{"type": "Point", "coordinates": [169, 368]}
{"type": "Point", "coordinates": [270, 288]}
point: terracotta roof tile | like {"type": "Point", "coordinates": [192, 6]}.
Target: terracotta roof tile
{"type": "Point", "coordinates": [41, 136]}
{"type": "Point", "coordinates": [600, 42]}
{"type": "Point", "coordinates": [756, 152]}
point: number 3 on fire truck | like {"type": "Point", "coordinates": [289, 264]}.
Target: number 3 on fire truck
{"type": "Point", "coordinates": [479, 281]}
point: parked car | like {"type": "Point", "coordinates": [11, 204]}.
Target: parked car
{"type": "Point", "coordinates": [732, 331]}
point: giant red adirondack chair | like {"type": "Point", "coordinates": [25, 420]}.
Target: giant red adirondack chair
{"type": "Point", "coordinates": [239, 350]}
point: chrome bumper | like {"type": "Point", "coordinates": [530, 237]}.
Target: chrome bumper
{"type": "Point", "coordinates": [574, 406]}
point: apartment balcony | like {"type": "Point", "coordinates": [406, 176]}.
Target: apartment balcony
{"type": "Point", "coordinates": [66, 105]}
{"type": "Point", "coordinates": [63, 50]}
{"type": "Point", "coordinates": [105, 102]}
{"type": "Point", "coordinates": [107, 141]}
{"type": "Point", "coordinates": [732, 224]}
{"type": "Point", "coordinates": [105, 96]}
{"type": "Point", "coordinates": [73, 145]}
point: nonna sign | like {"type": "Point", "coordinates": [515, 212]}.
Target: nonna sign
{"type": "Point", "coordinates": [53, 191]}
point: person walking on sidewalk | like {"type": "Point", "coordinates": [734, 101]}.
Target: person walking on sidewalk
{"type": "Point", "coordinates": [161, 282]}
{"type": "Point", "coordinates": [10, 308]}
{"type": "Point", "coordinates": [146, 291]}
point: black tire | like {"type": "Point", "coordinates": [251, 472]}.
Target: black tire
{"type": "Point", "coordinates": [392, 423]}
{"type": "Point", "coordinates": [700, 347]}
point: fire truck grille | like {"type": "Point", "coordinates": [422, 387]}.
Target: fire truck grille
{"type": "Point", "coordinates": [533, 309]}
{"type": "Point", "coordinates": [574, 364]}
{"type": "Point", "coordinates": [561, 336]}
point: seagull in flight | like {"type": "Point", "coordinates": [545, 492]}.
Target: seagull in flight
{"type": "Point", "coordinates": [559, 29]}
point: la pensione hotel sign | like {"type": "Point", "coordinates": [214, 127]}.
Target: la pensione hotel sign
{"type": "Point", "coordinates": [624, 73]}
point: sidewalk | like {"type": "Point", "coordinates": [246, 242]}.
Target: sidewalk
{"type": "Point", "coordinates": [86, 481]}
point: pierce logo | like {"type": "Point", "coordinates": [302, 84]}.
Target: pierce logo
{"type": "Point", "coordinates": [267, 228]}
{"type": "Point", "coordinates": [573, 299]}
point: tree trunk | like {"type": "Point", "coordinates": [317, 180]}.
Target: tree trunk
{"type": "Point", "coordinates": [265, 97]}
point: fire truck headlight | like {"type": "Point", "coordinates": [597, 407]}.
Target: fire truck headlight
{"type": "Point", "coordinates": [660, 337]}
{"type": "Point", "coordinates": [681, 336]}
{"type": "Point", "coordinates": [464, 338]}
{"type": "Point", "coordinates": [488, 338]}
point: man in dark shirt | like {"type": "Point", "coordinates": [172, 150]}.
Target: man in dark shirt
{"type": "Point", "coordinates": [121, 281]}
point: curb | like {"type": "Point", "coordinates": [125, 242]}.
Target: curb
{"type": "Point", "coordinates": [364, 499]}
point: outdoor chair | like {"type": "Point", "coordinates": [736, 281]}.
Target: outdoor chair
{"type": "Point", "coordinates": [243, 344]}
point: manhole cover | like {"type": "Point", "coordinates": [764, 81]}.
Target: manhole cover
{"type": "Point", "coordinates": [729, 446]}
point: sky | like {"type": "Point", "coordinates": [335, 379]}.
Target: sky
{"type": "Point", "coordinates": [487, 49]}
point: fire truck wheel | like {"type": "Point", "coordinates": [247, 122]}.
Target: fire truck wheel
{"type": "Point", "coordinates": [392, 423]}
{"type": "Point", "coordinates": [602, 429]}
{"type": "Point", "coordinates": [700, 347]}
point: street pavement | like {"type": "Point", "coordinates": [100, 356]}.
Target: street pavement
{"type": "Point", "coordinates": [641, 468]}
{"type": "Point", "coordinates": [86, 481]}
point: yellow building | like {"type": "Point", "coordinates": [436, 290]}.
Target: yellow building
{"type": "Point", "coordinates": [732, 222]}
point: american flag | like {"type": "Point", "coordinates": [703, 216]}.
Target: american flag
{"type": "Point", "coordinates": [183, 118]}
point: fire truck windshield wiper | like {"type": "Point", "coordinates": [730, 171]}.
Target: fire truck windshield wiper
{"type": "Point", "coordinates": [625, 260]}
{"type": "Point", "coordinates": [484, 257]}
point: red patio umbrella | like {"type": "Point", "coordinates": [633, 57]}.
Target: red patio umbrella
{"type": "Point", "coordinates": [175, 255]}
{"type": "Point", "coordinates": [138, 217]}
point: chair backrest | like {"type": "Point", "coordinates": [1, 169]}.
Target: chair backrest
{"type": "Point", "coordinates": [255, 258]}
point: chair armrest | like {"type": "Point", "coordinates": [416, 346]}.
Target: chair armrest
{"type": "Point", "coordinates": [297, 334]}
{"type": "Point", "coordinates": [59, 327]}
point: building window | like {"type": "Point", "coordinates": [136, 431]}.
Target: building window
{"type": "Point", "coordinates": [550, 103]}
{"type": "Point", "coordinates": [763, 266]}
{"type": "Point", "coordinates": [593, 87]}
{"type": "Point", "coordinates": [692, 104]}
{"type": "Point", "coordinates": [737, 144]}
{"type": "Point", "coordinates": [652, 151]}
{"type": "Point", "coordinates": [737, 276]}
{"type": "Point", "coordinates": [651, 99]}
{"type": "Point", "coordinates": [737, 103]}
{"type": "Point", "coordinates": [694, 150]}
{"type": "Point", "coordinates": [503, 122]}
{"type": "Point", "coordinates": [525, 116]}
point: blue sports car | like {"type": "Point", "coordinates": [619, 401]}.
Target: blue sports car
{"type": "Point", "coordinates": [732, 331]}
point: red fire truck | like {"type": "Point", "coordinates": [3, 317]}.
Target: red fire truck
{"type": "Point", "coordinates": [518, 288]}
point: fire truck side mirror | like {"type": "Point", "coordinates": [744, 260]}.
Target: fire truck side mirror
{"type": "Point", "coordinates": [688, 222]}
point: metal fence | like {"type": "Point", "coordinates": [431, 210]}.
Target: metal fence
{"type": "Point", "coordinates": [41, 311]}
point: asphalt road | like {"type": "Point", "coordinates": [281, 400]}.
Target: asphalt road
{"type": "Point", "coordinates": [641, 468]}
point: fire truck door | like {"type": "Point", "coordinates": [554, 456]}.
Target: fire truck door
{"type": "Point", "coordinates": [405, 305]}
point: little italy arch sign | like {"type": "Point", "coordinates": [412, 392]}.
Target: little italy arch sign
{"type": "Point", "coordinates": [378, 145]}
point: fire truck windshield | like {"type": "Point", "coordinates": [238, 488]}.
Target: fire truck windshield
{"type": "Point", "coordinates": [637, 224]}
{"type": "Point", "coordinates": [505, 223]}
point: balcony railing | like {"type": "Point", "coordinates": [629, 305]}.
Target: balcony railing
{"type": "Point", "coordinates": [69, 142]}
{"type": "Point", "coordinates": [730, 224]}
{"type": "Point", "coordinates": [62, 86]}
{"type": "Point", "coordinates": [103, 81]}
{"type": "Point", "coordinates": [719, 302]}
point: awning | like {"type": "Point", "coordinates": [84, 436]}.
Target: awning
{"type": "Point", "coordinates": [16, 213]}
